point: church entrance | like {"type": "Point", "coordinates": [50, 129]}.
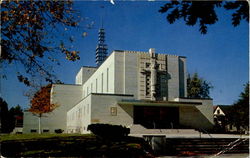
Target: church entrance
{"type": "Point", "coordinates": [155, 117]}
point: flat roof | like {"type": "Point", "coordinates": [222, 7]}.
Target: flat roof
{"type": "Point", "coordinates": [111, 94]}
{"type": "Point", "coordinates": [158, 103]}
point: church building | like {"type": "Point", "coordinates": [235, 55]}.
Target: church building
{"type": "Point", "coordinates": [130, 88]}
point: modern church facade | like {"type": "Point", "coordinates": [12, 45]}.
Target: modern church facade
{"type": "Point", "coordinates": [127, 88]}
{"type": "Point", "coordinates": [142, 88]}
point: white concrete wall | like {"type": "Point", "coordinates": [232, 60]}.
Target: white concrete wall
{"type": "Point", "coordinates": [182, 77]}
{"type": "Point", "coordinates": [66, 96]}
{"type": "Point", "coordinates": [95, 108]}
{"type": "Point", "coordinates": [102, 80]}
{"type": "Point", "coordinates": [101, 106]}
{"type": "Point", "coordinates": [29, 122]}
{"type": "Point", "coordinates": [79, 117]}
{"type": "Point", "coordinates": [173, 81]}
{"type": "Point", "coordinates": [84, 74]}
{"type": "Point", "coordinates": [119, 73]}
{"type": "Point", "coordinates": [200, 116]}
{"type": "Point", "coordinates": [126, 73]}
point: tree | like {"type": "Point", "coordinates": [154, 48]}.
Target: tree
{"type": "Point", "coordinates": [33, 32]}
{"type": "Point", "coordinates": [240, 112]}
{"type": "Point", "coordinates": [198, 87]}
{"type": "Point", "coordinates": [15, 117]}
{"type": "Point", "coordinates": [3, 116]}
{"type": "Point", "coordinates": [8, 117]}
{"type": "Point", "coordinates": [203, 12]}
{"type": "Point", "coordinates": [40, 103]}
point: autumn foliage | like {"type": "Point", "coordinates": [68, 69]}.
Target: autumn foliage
{"type": "Point", "coordinates": [40, 102]}
{"type": "Point", "coordinates": [33, 32]}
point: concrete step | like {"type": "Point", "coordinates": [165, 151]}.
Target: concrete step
{"type": "Point", "coordinates": [207, 146]}
{"type": "Point", "coordinates": [138, 129]}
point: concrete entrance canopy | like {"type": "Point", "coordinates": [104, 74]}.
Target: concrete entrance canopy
{"type": "Point", "coordinates": [158, 103]}
{"type": "Point", "coordinates": [188, 113]}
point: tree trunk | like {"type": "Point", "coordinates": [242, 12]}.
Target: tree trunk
{"type": "Point", "coordinates": [39, 123]}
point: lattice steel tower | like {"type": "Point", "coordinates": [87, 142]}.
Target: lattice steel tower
{"type": "Point", "coordinates": [101, 48]}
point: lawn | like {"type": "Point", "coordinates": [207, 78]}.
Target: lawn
{"type": "Point", "coordinates": [5, 137]}
{"type": "Point", "coordinates": [71, 145]}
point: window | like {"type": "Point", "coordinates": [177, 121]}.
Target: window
{"type": "Point", "coordinates": [147, 86]}
{"type": "Point", "coordinates": [45, 131]}
{"type": "Point", "coordinates": [33, 130]}
{"type": "Point", "coordinates": [91, 88]}
{"type": "Point", "coordinates": [102, 82]}
{"type": "Point", "coordinates": [113, 111]}
{"type": "Point", "coordinates": [107, 79]}
{"type": "Point", "coordinates": [80, 113]}
{"type": "Point", "coordinates": [147, 65]}
{"type": "Point", "coordinates": [157, 66]}
{"type": "Point", "coordinates": [96, 85]}
{"type": "Point", "coordinates": [218, 111]}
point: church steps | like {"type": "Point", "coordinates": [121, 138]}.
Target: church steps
{"type": "Point", "coordinates": [205, 146]}
{"type": "Point", "coordinates": [138, 129]}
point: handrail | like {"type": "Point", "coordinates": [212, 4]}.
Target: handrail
{"type": "Point", "coordinates": [230, 146]}
{"type": "Point", "coordinates": [201, 129]}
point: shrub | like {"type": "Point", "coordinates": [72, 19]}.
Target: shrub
{"type": "Point", "coordinates": [109, 131]}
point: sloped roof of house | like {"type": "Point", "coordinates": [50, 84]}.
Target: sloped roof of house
{"type": "Point", "coordinates": [225, 108]}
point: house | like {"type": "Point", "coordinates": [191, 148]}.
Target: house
{"type": "Point", "coordinates": [221, 118]}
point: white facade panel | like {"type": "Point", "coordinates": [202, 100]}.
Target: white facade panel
{"type": "Point", "coordinates": [65, 96]}
{"type": "Point", "coordinates": [78, 118]}
{"type": "Point", "coordinates": [173, 80]}
{"type": "Point", "coordinates": [131, 73]}
{"type": "Point", "coordinates": [84, 74]}
{"type": "Point", "coordinates": [98, 82]}
{"type": "Point", "coordinates": [101, 110]}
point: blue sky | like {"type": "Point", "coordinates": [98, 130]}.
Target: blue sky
{"type": "Point", "coordinates": [221, 56]}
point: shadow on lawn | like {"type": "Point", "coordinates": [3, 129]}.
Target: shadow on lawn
{"type": "Point", "coordinates": [76, 146]}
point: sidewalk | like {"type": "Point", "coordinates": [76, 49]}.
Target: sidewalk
{"type": "Point", "coordinates": [195, 135]}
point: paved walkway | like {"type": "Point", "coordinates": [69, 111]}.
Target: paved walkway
{"type": "Point", "coordinates": [182, 135]}
{"type": "Point", "coordinates": [245, 155]}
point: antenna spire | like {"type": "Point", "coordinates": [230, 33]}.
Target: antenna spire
{"type": "Point", "coordinates": [101, 48]}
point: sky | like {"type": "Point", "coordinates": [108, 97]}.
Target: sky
{"type": "Point", "coordinates": [220, 57]}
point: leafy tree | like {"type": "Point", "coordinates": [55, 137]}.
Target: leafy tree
{"type": "Point", "coordinates": [240, 112]}
{"type": "Point", "coordinates": [197, 87]}
{"type": "Point", "coordinates": [15, 117]}
{"type": "Point", "coordinates": [4, 128]}
{"type": "Point", "coordinates": [28, 32]}
{"type": "Point", "coordinates": [17, 110]}
{"type": "Point", "coordinates": [203, 12]}
{"type": "Point", "coordinates": [40, 103]}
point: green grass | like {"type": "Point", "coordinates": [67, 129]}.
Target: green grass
{"type": "Point", "coordinates": [6, 137]}
{"type": "Point", "coordinates": [69, 145]}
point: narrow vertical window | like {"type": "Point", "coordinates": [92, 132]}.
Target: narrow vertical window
{"type": "Point", "coordinates": [91, 88]}
{"type": "Point", "coordinates": [147, 84]}
{"type": "Point", "coordinates": [87, 90]}
{"type": "Point", "coordinates": [102, 83]}
{"type": "Point", "coordinates": [107, 79]}
{"type": "Point", "coordinates": [96, 85]}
